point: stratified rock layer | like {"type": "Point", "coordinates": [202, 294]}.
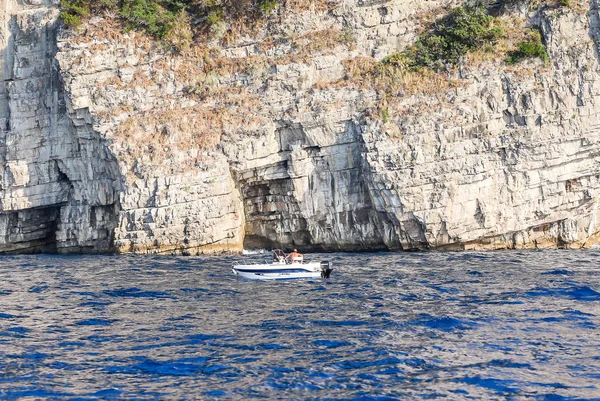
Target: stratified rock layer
{"type": "Point", "coordinates": [107, 143]}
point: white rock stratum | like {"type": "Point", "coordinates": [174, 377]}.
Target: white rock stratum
{"type": "Point", "coordinates": [107, 143]}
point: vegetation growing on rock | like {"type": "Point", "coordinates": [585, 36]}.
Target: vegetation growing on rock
{"type": "Point", "coordinates": [160, 17]}
{"type": "Point", "coordinates": [452, 37]}
{"type": "Point", "coordinates": [465, 29]}
{"type": "Point", "coordinates": [532, 47]}
{"type": "Point", "coordinates": [531, 3]}
{"type": "Point", "coordinates": [157, 17]}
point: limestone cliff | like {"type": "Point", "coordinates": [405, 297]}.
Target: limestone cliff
{"type": "Point", "coordinates": [110, 142]}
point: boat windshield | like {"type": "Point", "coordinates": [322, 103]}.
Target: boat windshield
{"type": "Point", "coordinates": [278, 255]}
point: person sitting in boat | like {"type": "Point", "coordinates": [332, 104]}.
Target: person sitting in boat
{"type": "Point", "coordinates": [295, 257]}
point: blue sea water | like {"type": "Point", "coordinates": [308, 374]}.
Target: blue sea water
{"type": "Point", "coordinates": [386, 326]}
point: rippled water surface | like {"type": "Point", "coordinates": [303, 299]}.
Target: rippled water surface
{"type": "Point", "coordinates": [499, 325]}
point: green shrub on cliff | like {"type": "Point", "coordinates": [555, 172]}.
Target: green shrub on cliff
{"type": "Point", "coordinates": [532, 47]}
{"type": "Point", "coordinates": [452, 37]}
{"type": "Point", "coordinates": [73, 10]}
{"type": "Point", "coordinates": [155, 17]}
{"type": "Point", "coordinates": [160, 17]}
{"type": "Point", "coordinates": [266, 6]}
{"type": "Point", "coordinates": [214, 12]}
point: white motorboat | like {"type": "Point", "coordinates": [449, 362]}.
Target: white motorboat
{"type": "Point", "coordinates": [279, 268]}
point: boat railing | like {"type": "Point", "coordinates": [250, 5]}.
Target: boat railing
{"type": "Point", "coordinates": [278, 257]}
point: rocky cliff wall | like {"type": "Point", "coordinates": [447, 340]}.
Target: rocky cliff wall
{"type": "Point", "coordinates": [270, 139]}
{"type": "Point", "coordinates": [60, 183]}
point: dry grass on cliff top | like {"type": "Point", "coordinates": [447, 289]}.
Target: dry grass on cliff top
{"type": "Point", "coordinates": [310, 5]}
{"type": "Point", "coordinates": [170, 141]}
{"type": "Point", "coordinates": [390, 81]}
{"type": "Point", "coordinates": [163, 133]}
{"type": "Point", "coordinates": [182, 23]}
{"type": "Point", "coordinates": [514, 27]}
{"type": "Point", "coordinates": [178, 128]}
{"type": "Point", "coordinates": [394, 81]}
{"type": "Point", "coordinates": [185, 122]}
{"type": "Point", "coordinates": [199, 123]}
{"type": "Point", "coordinates": [192, 63]}
{"type": "Point", "coordinates": [235, 29]}
{"type": "Point", "coordinates": [207, 80]}
{"type": "Point", "coordinates": [304, 49]}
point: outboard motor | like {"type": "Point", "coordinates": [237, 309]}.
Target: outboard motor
{"type": "Point", "coordinates": [326, 268]}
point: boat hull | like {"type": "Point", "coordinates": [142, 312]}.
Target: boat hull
{"type": "Point", "coordinates": [278, 271]}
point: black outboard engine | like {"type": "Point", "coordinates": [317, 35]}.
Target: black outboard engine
{"type": "Point", "coordinates": [326, 268]}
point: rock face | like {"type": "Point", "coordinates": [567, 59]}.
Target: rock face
{"type": "Point", "coordinates": [107, 143]}
{"type": "Point", "coordinates": [60, 183]}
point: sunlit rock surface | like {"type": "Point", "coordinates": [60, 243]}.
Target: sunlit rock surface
{"type": "Point", "coordinates": [107, 143]}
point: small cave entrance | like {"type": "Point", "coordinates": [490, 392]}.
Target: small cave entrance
{"type": "Point", "coordinates": [30, 230]}
{"type": "Point", "coordinates": [273, 217]}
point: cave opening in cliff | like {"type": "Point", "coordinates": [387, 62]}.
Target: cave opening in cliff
{"type": "Point", "coordinates": [30, 230]}
{"type": "Point", "coordinates": [273, 217]}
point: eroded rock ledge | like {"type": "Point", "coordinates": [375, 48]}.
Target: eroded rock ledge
{"type": "Point", "coordinates": [109, 144]}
